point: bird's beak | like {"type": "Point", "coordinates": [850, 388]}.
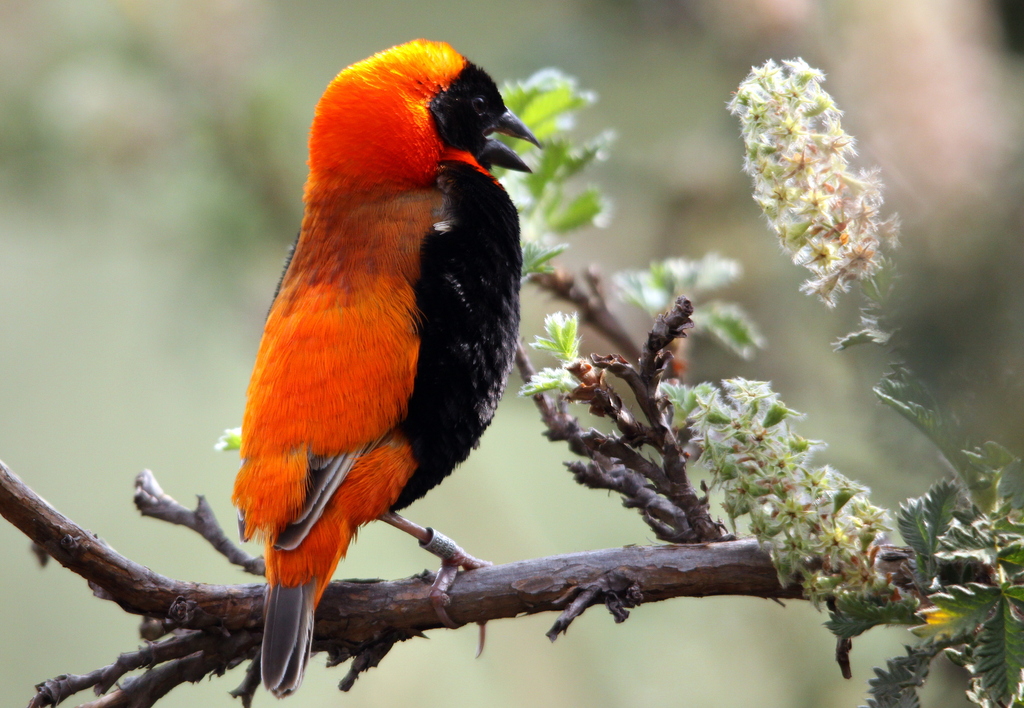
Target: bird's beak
{"type": "Point", "coordinates": [510, 125]}
{"type": "Point", "coordinates": [498, 153]}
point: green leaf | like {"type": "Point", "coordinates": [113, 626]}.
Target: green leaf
{"type": "Point", "coordinates": [230, 440]}
{"type": "Point", "coordinates": [842, 496]}
{"type": "Point", "coordinates": [969, 542]}
{"type": "Point", "coordinates": [684, 398]}
{"type": "Point", "coordinates": [563, 341]}
{"type": "Point", "coordinates": [895, 685]}
{"type": "Point", "coordinates": [559, 161]}
{"type": "Point", "coordinates": [958, 611]}
{"type": "Point", "coordinates": [870, 333]}
{"type": "Point", "coordinates": [1015, 594]}
{"type": "Point", "coordinates": [1011, 484]}
{"type": "Point", "coordinates": [731, 327]}
{"type": "Point", "coordinates": [636, 287]}
{"type": "Point", "coordinates": [908, 397]}
{"type": "Point", "coordinates": [990, 456]}
{"type": "Point", "coordinates": [924, 520]}
{"type": "Point", "coordinates": [711, 272]}
{"type": "Point", "coordinates": [537, 256]}
{"type": "Point", "coordinates": [856, 614]}
{"type": "Point", "coordinates": [593, 150]}
{"type": "Point", "coordinates": [999, 655]}
{"type": "Point", "coordinates": [776, 414]}
{"type": "Point", "coordinates": [988, 464]}
{"type": "Point", "coordinates": [549, 380]}
{"type": "Point", "coordinates": [959, 657]}
{"type": "Point", "coordinates": [546, 101]}
{"type": "Point", "coordinates": [1012, 555]}
{"type": "Point", "coordinates": [582, 211]}
{"type": "Point", "coordinates": [655, 288]}
{"type": "Point", "coordinates": [878, 287]}
{"type": "Point", "coordinates": [1006, 526]}
{"type": "Point", "coordinates": [717, 416]}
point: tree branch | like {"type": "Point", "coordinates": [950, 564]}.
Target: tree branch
{"type": "Point", "coordinates": [591, 304]}
{"type": "Point", "coordinates": [362, 619]}
{"type": "Point", "coordinates": [102, 680]}
{"type": "Point", "coordinates": [151, 500]}
{"type": "Point", "coordinates": [217, 627]}
{"type": "Point", "coordinates": [668, 503]}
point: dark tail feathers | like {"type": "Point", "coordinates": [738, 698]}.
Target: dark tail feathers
{"type": "Point", "coordinates": [287, 636]}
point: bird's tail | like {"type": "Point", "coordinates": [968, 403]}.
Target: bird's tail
{"type": "Point", "coordinates": [287, 636]}
{"type": "Point", "coordinates": [295, 581]}
{"type": "Point", "coordinates": [297, 578]}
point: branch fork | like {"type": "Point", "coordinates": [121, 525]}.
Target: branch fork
{"type": "Point", "coordinates": [662, 492]}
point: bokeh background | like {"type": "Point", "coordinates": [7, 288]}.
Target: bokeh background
{"type": "Point", "coordinates": [151, 163]}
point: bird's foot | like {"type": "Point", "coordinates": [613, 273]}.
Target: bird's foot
{"type": "Point", "coordinates": [452, 558]}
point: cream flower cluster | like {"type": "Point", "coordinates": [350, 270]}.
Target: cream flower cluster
{"type": "Point", "coordinates": [826, 216]}
{"type": "Point", "coordinates": [819, 525]}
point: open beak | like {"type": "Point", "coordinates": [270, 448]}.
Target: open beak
{"type": "Point", "coordinates": [510, 125]}
{"type": "Point", "coordinates": [498, 153]}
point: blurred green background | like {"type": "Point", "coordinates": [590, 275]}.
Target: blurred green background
{"type": "Point", "coordinates": [151, 164]}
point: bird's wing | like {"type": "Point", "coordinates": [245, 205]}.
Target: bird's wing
{"type": "Point", "coordinates": [326, 474]}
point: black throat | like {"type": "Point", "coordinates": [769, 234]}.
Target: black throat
{"type": "Point", "coordinates": [468, 294]}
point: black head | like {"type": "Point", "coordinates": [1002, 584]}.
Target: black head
{"type": "Point", "coordinates": [469, 110]}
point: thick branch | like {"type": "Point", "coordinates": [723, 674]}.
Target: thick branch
{"type": "Point", "coordinates": [354, 612]}
{"type": "Point", "coordinates": [134, 587]}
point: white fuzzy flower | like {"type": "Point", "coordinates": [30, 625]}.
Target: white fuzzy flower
{"type": "Point", "coordinates": [826, 216]}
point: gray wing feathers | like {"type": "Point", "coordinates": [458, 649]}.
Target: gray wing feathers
{"type": "Point", "coordinates": [327, 474]}
{"type": "Point", "coordinates": [287, 637]}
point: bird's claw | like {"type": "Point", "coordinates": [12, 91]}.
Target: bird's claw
{"type": "Point", "coordinates": [440, 600]}
{"type": "Point", "coordinates": [452, 558]}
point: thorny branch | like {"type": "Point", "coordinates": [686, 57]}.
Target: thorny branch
{"type": "Point", "coordinates": [661, 490]}
{"type": "Point", "coordinates": [214, 628]}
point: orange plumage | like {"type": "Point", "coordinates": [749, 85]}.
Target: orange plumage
{"type": "Point", "coordinates": [340, 354]}
{"type": "Point", "coordinates": [373, 156]}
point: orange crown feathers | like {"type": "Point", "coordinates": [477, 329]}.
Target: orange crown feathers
{"type": "Point", "coordinates": [373, 125]}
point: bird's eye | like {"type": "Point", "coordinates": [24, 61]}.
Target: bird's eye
{"type": "Point", "coordinates": [479, 104]}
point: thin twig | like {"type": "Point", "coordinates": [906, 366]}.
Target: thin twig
{"type": "Point", "coordinates": [215, 647]}
{"type": "Point", "coordinates": [153, 654]}
{"type": "Point", "coordinates": [250, 684]}
{"type": "Point", "coordinates": [614, 465]}
{"type": "Point", "coordinates": [371, 654]}
{"type": "Point", "coordinates": [662, 492]}
{"type": "Point", "coordinates": [151, 500]}
{"type": "Point", "coordinates": [145, 690]}
{"type": "Point", "coordinates": [591, 304]}
{"type": "Point", "coordinates": [618, 590]}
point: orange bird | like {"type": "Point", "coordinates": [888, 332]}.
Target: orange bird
{"type": "Point", "coordinates": [392, 332]}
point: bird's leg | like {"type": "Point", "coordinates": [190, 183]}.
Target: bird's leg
{"type": "Point", "coordinates": [452, 558]}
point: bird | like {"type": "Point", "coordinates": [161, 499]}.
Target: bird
{"type": "Point", "coordinates": [392, 332]}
